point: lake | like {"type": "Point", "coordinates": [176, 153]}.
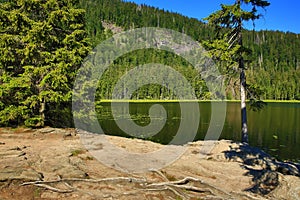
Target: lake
{"type": "Point", "coordinates": [275, 128]}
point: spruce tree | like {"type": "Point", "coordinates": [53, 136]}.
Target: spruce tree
{"type": "Point", "coordinates": [228, 46]}
{"type": "Point", "coordinates": [42, 44]}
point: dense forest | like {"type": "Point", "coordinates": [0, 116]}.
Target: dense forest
{"type": "Point", "coordinates": [42, 45]}
{"type": "Point", "coordinates": [44, 42]}
{"type": "Point", "coordinates": [274, 61]}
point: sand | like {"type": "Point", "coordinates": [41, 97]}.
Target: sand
{"type": "Point", "coordinates": [52, 163]}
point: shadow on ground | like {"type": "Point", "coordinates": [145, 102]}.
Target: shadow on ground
{"type": "Point", "coordinates": [262, 167]}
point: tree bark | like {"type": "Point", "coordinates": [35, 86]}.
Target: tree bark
{"type": "Point", "coordinates": [243, 106]}
{"type": "Point", "coordinates": [42, 112]}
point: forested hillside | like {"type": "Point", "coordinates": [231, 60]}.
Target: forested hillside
{"type": "Point", "coordinates": [274, 61]}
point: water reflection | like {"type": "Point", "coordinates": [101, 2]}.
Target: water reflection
{"type": "Point", "coordinates": [276, 128]}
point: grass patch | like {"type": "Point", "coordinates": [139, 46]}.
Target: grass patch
{"type": "Point", "coordinates": [37, 192]}
{"type": "Point", "coordinates": [89, 158]}
{"type": "Point", "coordinates": [76, 152]}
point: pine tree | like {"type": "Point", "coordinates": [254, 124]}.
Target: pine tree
{"type": "Point", "coordinates": [42, 44]}
{"type": "Point", "coordinates": [228, 46]}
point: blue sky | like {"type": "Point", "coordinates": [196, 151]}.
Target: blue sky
{"type": "Point", "coordinates": [283, 15]}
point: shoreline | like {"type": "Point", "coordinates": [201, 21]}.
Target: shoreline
{"type": "Point", "coordinates": [178, 101]}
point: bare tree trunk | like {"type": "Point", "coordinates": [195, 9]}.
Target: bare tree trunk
{"type": "Point", "coordinates": [42, 112]}
{"type": "Point", "coordinates": [243, 106]}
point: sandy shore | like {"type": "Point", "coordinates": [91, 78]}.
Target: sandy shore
{"type": "Point", "coordinates": [53, 163]}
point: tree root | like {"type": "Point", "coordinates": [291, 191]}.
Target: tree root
{"type": "Point", "coordinates": [126, 179]}
{"type": "Point", "coordinates": [183, 188]}
{"type": "Point", "coordinates": [66, 181]}
{"type": "Point", "coordinates": [54, 189]}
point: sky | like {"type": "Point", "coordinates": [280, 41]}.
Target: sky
{"type": "Point", "coordinates": [282, 15]}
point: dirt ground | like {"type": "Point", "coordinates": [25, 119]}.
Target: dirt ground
{"type": "Point", "coordinates": [53, 163]}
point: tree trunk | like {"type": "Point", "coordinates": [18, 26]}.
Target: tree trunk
{"type": "Point", "coordinates": [42, 112]}
{"type": "Point", "coordinates": [243, 106]}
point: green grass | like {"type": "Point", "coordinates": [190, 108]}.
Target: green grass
{"type": "Point", "coordinates": [282, 101]}
{"type": "Point", "coordinates": [37, 192]}
{"type": "Point", "coordinates": [76, 152]}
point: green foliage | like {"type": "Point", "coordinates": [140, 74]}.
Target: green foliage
{"type": "Point", "coordinates": [227, 46]}
{"type": "Point", "coordinates": [33, 122]}
{"type": "Point", "coordinates": [42, 44]}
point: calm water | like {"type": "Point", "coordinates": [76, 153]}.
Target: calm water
{"type": "Point", "coordinates": [276, 128]}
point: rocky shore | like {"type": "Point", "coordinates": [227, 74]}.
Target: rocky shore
{"type": "Point", "coordinates": [52, 163]}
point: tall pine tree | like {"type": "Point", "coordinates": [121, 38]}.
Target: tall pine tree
{"type": "Point", "coordinates": [228, 45]}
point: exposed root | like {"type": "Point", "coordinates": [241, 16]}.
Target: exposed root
{"type": "Point", "coordinates": [179, 182]}
{"type": "Point", "coordinates": [51, 188]}
{"type": "Point", "coordinates": [126, 179]}
{"type": "Point", "coordinates": [160, 174]}
{"type": "Point", "coordinates": [179, 188]}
